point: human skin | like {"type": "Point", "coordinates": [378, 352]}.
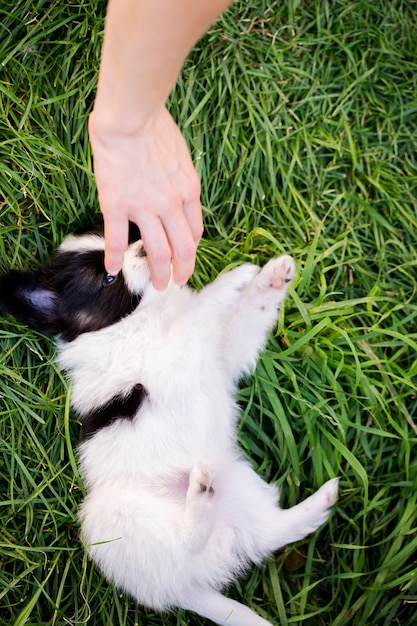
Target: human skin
{"type": "Point", "coordinates": [144, 172]}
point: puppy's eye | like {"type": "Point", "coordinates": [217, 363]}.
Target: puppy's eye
{"type": "Point", "coordinates": [108, 279]}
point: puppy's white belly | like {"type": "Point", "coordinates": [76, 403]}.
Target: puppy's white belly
{"type": "Point", "coordinates": [157, 444]}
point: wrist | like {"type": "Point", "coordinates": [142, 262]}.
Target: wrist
{"type": "Point", "coordinates": [120, 121]}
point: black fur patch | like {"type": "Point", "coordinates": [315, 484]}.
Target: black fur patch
{"type": "Point", "coordinates": [85, 303]}
{"type": "Point", "coordinates": [120, 407]}
{"type": "Point", "coordinates": [68, 297]}
{"type": "Point", "coordinates": [28, 299]}
{"type": "Point", "coordinates": [98, 229]}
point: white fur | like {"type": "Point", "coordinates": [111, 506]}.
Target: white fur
{"type": "Point", "coordinates": [173, 512]}
{"type": "Point", "coordinates": [82, 243]}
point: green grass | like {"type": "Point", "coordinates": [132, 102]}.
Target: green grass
{"type": "Point", "coordinates": [301, 117]}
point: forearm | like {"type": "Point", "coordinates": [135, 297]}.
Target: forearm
{"type": "Point", "coordinates": [145, 44]}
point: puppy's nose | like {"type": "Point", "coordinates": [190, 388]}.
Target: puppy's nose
{"type": "Point", "coordinates": [142, 252]}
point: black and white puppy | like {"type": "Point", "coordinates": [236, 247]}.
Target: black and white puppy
{"type": "Point", "coordinates": [173, 512]}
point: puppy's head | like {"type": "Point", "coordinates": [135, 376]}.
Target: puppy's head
{"type": "Point", "coordinates": [74, 294]}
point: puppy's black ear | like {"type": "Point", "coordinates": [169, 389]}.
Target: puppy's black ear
{"type": "Point", "coordinates": [26, 296]}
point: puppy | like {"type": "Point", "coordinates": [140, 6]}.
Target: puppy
{"type": "Point", "coordinates": [173, 511]}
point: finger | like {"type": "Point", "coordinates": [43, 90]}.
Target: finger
{"type": "Point", "coordinates": [182, 244]}
{"type": "Point", "coordinates": [187, 228]}
{"type": "Point", "coordinates": [190, 190]}
{"type": "Point", "coordinates": [116, 235]}
{"type": "Point", "coordinates": [158, 251]}
{"type": "Point", "coordinates": [193, 214]}
{"type": "Point", "coordinates": [183, 262]}
{"type": "Point", "coordinates": [192, 208]}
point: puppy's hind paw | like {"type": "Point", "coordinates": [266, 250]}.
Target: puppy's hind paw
{"type": "Point", "coordinates": [200, 509]}
{"type": "Point", "coordinates": [319, 504]}
{"type": "Point", "coordinates": [330, 491]}
{"type": "Point", "coordinates": [200, 483]}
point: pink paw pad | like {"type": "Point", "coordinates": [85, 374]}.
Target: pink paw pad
{"type": "Point", "coordinates": [279, 272]}
{"type": "Point", "coordinates": [200, 481]}
{"type": "Point", "coordinates": [205, 483]}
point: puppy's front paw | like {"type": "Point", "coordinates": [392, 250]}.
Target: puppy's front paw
{"type": "Point", "coordinates": [277, 273]}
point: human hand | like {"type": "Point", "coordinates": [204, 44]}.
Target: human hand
{"type": "Point", "coordinates": [147, 177]}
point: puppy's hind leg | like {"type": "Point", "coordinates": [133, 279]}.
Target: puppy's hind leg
{"type": "Point", "coordinates": [200, 509]}
{"type": "Point", "coordinates": [307, 516]}
{"type": "Point", "coordinates": [221, 610]}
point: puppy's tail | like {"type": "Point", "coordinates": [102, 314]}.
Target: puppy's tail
{"type": "Point", "coordinates": [224, 611]}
